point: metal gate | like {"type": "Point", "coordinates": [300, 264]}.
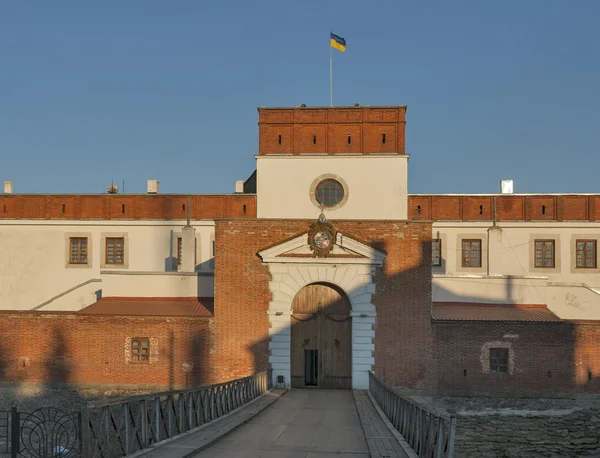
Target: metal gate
{"type": "Point", "coordinates": [44, 433]}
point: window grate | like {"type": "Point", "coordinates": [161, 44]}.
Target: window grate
{"type": "Point", "coordinates": [499, 360]}
{"type": "Point", "coordinates": [115, 249]}
{"type": "Point", "coordinates": [78, 250]}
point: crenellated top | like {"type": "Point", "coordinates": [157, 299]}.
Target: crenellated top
{"type": "Point", "coordinates": [502, 207]}
{"type": "Point", "coordinates": [332, 130]}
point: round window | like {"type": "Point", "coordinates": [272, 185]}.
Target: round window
{"type": "Point", "coordinates": [329, 193]}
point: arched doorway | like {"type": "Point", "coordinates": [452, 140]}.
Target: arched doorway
{"type": "Point", "coordinates": [321, 352]}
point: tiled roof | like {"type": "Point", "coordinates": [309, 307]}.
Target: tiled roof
{"type": "Point", "coordinates": [465, 311]}
{"type": "Point", "coordinates": [152, 306]}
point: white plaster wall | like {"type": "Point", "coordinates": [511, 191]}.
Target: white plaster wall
{"type": "Point", "coordinates": [499, 290]}
{"type": "Point", "coordinates": [574, 302]}
{"type": "Point", "coordinates": [511, 253]}
{"type": "Point", "coordinates": [33, 257]}
{"type": "Point", "coordinates": [377, 186]}
{"type": "Point", "coordinates": [157, 284]}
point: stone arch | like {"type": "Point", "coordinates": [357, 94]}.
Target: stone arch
{"type": "Point", "coordinates": [355, 280]}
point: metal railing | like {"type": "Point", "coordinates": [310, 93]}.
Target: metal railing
{"type": "Point", "coordinates": [47, 432]}
{"type": "Point", "coordinates": [120, 427]}
{"type": "Point", "coordinates": [429, 432]}
{"type": "Point", "coordinates": [64, 293]}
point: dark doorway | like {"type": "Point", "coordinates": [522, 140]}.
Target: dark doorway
{"type": "Point", "coordinates": [321, 338]}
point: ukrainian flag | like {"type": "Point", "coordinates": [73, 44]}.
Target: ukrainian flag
{"type": "Point", "coordinates": [337, 42]}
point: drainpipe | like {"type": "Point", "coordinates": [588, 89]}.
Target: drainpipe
{"type": "Point", "coordinates": [492, 228]}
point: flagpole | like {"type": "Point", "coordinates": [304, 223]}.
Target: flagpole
{"type": "Point", "coordinates": [330, 73]}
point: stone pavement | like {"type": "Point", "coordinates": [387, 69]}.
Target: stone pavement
{"type": "Point", "coordinates": [301, 424]}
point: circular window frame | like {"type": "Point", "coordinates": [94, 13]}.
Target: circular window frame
{"type": "Point", "coordinates": [328, 176]}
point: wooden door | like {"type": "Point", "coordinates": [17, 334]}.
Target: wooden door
{"type": "Point", "coordinates": [321, 338]}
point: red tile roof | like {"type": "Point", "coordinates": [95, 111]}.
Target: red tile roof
{"type": "Point", "coordinates": [466, 311]}
{"type": "Point", "coordinates": [152, 306]}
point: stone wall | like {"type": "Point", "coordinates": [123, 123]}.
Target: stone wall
{"type": "Point", "coordinates": [554, 433]}
{"type": "Point", "coordinates": [523, 427]}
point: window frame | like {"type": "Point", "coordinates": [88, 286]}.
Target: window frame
{"type": "Point", "coordinates": [544, 250]}
{"type": "Point", "coordinates": [462, 253]}
{"type": "Point", "coordinates": [140, 340]}
{"type": "Point", "coordinates": [585, 258]}
{"type": "Point", "coordinates": [87, 245]}
{"type": "Point", "coordinates": [496, 368]}
{"type": "Point", "coordinates": [439, 250]}
{"type": "Point", "coordinates": [106, 258]}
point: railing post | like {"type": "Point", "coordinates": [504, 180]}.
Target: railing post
{"type": "Point", "coordinates": [157, 418]}
{"type": "Point", "coordinates": [127, 428]}
{"type": "Point", "coordinates": [86, 439]}
{"type": "Point", "coordinates": [181, 413]}
{"type": "Point", "coordinates": [15, 432]}
{"type": "Point", "coordinates": [144, 425]}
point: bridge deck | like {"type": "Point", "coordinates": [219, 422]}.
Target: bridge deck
{"type": "Point", "coordinates": [301, 424]}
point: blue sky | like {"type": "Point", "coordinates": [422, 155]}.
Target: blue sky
{"type": "Point", "coordinates": [136, 90]}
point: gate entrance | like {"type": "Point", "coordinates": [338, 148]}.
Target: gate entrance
{"type": "Point", "coordinates": [321, 338]}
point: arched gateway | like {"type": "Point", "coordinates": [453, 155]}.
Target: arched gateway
{"type": "Point", "coordinates": [321, 350]}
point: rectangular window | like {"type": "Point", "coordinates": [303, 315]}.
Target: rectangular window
{"type": "Point", "coordinates": [436, 252]}
{"type": "Point", "coordinates": [471, 253]}
{"type": "Point", "coordinates": [499, 360]}
{"type": "Point", "coordinates": [586, 254]}
{"type": "Point", "coordinates": [78, 250]}
{"type": "Point", "coordinates": [179, 247]}
{"type": "Point", "coordinates": [544, 253]}
{"type": "Point", "coordinates": [140, 350]}
{"type": "Point", "coordinates": [115, 248]}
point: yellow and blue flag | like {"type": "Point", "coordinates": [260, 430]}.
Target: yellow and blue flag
{"type": "Point", "coordinates": [337, 42]}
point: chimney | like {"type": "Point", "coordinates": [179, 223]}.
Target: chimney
{"type": "Point", "coordinates": [8, 187]}
{"type": "Point", "coordinates": [506, 186]}
{"type": "Point", "coordinates": [153, 186]}
{"type": "Point", "coordinates": [239, 187]}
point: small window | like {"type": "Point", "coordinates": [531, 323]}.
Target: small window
{"type": "Point", "coordinates": [4, 208]}
{"type": "Point", "coordinates": [481, 209]}
{"type": "Point", "coordinates": [213, 248]}
{"type": "Point", "coordinates": [314, 139]}
{"type": "Point", "coordinates": [123, 208]}
{"type": "Point", "coordinates": [280, 139]}
{"type": "Point", "coordinates": [179, 248]}
{"type": "Point", "coordinates": [182, 208]}
{"type": "Point", "coordinates": [499, 360]}
{"type": "Point", "coordinates": [349, 139]}
{"type": "Point", "coordinates": [544, 253]}
{"type": "Point", "coordinates": [140, 350]}
{"type": "Point", "coordinates": [64, 207]}
{"type": "Point", "coordinates": [471, 253]}
{"type": "Point", "coordinates": [115, 249]}
{"type": "Point", "coordinates": [543, 209]}
{"type": "Point", "coordinates": [329, 193]}
{"type": "Point", "coordinates": [419, 209]}
{"type": "Point", "coordinates": [436, 252]}
{"type": "Point", "coordinates": [78, 250]}
{"type": "Point", "coordinates": [383, 138]}
{"type": "Point", "coordinates": [586, 254]}
{"type": "Point", "coordinates": [244, 209]}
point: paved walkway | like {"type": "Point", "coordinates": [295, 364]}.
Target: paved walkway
{"type": "Point", "coordinates": [301, 424]}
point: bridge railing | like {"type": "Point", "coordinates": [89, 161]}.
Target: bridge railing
{"type": "Point", "coordinates": [119, 427]}
{"type": "Point", "coordinates": [429, 432]}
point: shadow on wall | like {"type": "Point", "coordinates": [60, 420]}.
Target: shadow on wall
{"type": "Point", "coordinates": [412, 350]}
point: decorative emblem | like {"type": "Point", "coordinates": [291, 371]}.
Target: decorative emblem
{"type": "Point", "coordinates": [321, 237]}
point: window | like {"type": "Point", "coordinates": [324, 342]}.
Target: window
{"type": "Point", "coordinates": [349, 139]}
{"type": "Point", "coordinates": [314, 139]}
{"type": "Point", "coordinates": [544, 253]}
{"type": "Point", "coordinates": [499, 360]}
{"type": "Point", "coordinates": [179, 248]}
{"type": "Point", "coordinates": [383, 138]}
{"type": "Point", "coordinates": [329, 193]}
{"type": "Point", "coordinates": [140, 350]}
{"type": "Point", "coordinates": [586, 254]}
{"type": "Point", "coordinates": [78, 250]}
{"type": "Point", "coordinates": [471, 253]}
{"type": "Point", "coordinates": [280, 139]}
{"type": "Point", "coordinates": [115, 249]}
{"type": "Point", "coordinates": [436, 252]}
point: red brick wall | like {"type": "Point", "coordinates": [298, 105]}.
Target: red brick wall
{"type": "Point", "coordinates": [568, 350]}
{"type": "Point", "coordinates": [402, 299]}
{"type": "Point", "coordinates": [70, 348]}
{"type": "Point", "coordinates": [292, 130]}
{"type": "Point", "coordinates": [508, 208]}
{"type": "Point", "coordinates": [130, 207]}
